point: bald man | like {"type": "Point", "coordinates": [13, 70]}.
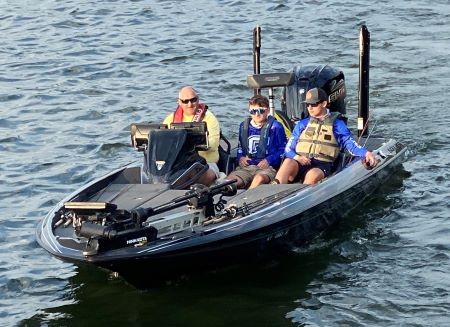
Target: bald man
{"type": "Point", "coordinates": [191, 110]}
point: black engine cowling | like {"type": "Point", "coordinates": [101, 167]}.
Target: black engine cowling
{"type": "Point", "coordinates": [331, 80]}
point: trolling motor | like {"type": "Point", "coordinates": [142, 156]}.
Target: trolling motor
{"type": "Point", "coordinates": [108, 228]}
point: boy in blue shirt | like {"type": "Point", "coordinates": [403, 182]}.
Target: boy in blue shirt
{"type": "Point", "coordinates": [315, 143]}
{"type": "Point", "coordinates": [261, 146]}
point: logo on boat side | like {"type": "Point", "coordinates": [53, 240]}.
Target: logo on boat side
{"type": "Point", "coordinates": [135, 240]}
{"type": "Point", "coordinates": [159, 164]}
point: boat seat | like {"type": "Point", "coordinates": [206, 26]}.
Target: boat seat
{"type": "Point", "coordinates": [339, 163]}
{"type": "Point", "coordinates": [287, 123]}
{"type": "Point", "coordinates": [227, 160]}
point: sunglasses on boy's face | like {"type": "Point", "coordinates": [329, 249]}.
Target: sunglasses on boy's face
{"type": "Point", "coordinates": [258, 111]}
{"type": "Point", "coordinates": [314, 104]}
{"type": "Point", "coordinates": [192, 100]}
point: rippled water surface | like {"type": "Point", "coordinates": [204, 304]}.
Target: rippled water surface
{"type": "Point", "coordinates": [74, 75]}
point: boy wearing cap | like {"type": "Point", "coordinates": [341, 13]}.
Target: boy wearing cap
{"type": "Point", "coordinates": [261, 145]}
{"type": "Point", "coordinates": [315, 143]}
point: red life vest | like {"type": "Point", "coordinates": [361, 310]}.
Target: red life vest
{"type": "Point", "coordinates": [198, 116]}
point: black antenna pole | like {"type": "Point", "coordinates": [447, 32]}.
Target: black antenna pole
{"type": "Point", "coordinates": [363, 103]}
{"type": "Point", "coordinates": [256, 52]}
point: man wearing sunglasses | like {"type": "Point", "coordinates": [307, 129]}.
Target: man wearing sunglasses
{"type": "Point", "coordinates": [261, 144]}
{"type": "Point", "coordinates": [315, 143]}
{"type": "Point", "coordinates": [191, 110]}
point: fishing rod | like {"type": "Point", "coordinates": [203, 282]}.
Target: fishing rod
{"type": "Point", "coordinates": [371, 131]}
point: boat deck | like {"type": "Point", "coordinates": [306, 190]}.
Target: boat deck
{"type": "Point", "coordinates": [130, 196]}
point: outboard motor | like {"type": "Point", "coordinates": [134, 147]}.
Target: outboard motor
{"type": "Point", "coordinates": [170, 155]}
{"type": "Point", "coordinates": [328, 78]}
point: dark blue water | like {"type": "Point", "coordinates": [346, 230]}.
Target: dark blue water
{"type": "Point", "coordinates": [75, 74]}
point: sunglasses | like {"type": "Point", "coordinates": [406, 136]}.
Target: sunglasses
{"type": "Point", "coordinates": [314, 104]}
{"type": "Point", "coordinates": [186, 101]}
{"type": "Point", "coordinates": [258, 111]}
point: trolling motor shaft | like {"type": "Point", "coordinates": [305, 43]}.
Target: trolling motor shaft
{"type": "Point", "coordinates": [199, 196]}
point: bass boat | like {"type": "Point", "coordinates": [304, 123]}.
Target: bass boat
{"type": "Point", "coordinates": [151, 220]}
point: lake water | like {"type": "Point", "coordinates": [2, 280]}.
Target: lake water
{"type": "Point", "coordinates": [75, 74]}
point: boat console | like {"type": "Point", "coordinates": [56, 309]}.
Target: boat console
{"type": "Point", "coordinates": [170, 154]}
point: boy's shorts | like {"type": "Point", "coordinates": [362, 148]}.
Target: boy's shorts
{"type": "Point", "coordinates": [247, 173]}
{"type": "Point", "coordinates": [322, 165]}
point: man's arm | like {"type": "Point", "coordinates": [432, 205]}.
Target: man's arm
{"type": "Point", "coordinates": [345, 139]}
{"type": "Point", "coordinates": [213, 131]}
{"type": "Point", "coordinates": [168, 120]}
